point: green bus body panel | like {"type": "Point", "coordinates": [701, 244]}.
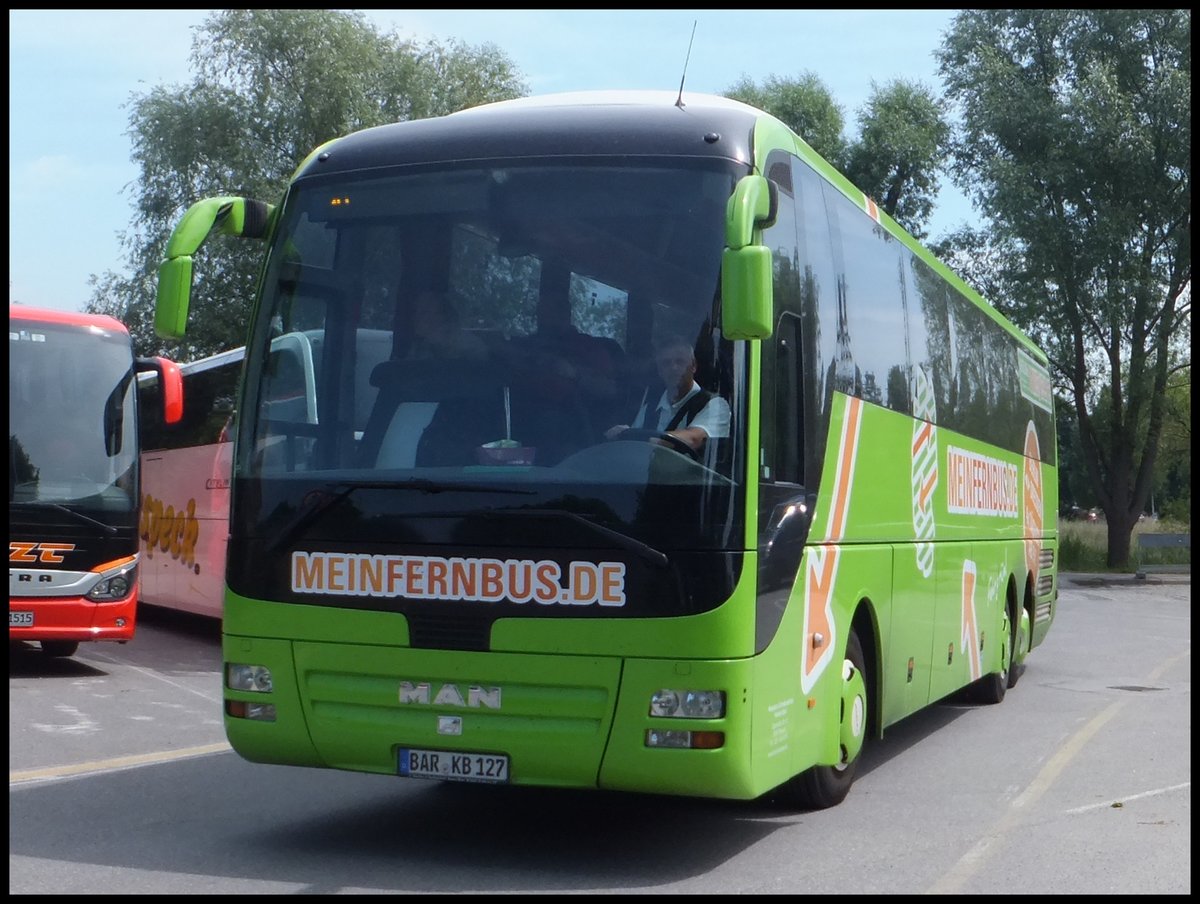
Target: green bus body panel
{"type": "Point", "coordinates": [884, 458]}
{"type": "Point", "coordinates": [285, 740]}
{"type": "Point", "coordinates": [943, 609]}
{"type": "Point", "coordinates": [566, 720]}
{"type": "Point", "coordinates": [556, 710]}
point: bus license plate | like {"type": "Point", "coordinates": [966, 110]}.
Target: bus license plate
{"type": "Point", "coordinates": [20, 619]}
{"type": "Point", "coordinates": [453, 766]}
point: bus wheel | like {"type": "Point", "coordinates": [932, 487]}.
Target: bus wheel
{"type": "Point", "coordinates": [822, 787]}
{"type": "Point", "coordinates": [990, 688]}
{"type": "Point", "coordinates": [58, 648]}
{"type": "Point", "coordinates": [1021, 644]}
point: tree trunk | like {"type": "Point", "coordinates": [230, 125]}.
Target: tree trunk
{"type": "Point", "coordinates": [1120, 531]}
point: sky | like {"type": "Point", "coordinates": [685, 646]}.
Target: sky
{"type": "Point", "coordinates": [72, 74]}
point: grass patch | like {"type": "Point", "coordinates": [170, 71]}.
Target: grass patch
{"type": "Point", "coordinates": [1083, 546]}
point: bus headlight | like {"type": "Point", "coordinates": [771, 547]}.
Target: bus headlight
{"type": "Point", "coordinates": [241, 677]}
{"type": "Point", "coordinates": [115, 585]}
{"type": "Point", "coordinates": [687, 704]}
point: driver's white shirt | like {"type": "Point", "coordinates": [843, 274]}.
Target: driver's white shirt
{"type": "Point", "coordinates": [713, 418]}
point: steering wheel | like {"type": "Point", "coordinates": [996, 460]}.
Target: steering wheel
{"type": "Point", "coordinates": [673, 441]}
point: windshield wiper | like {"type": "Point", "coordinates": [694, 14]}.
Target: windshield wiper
{"type": "Point", "coordinates": [59, 507]}
{"type": "Point", "coordinates": [624, 541]}
{"type": "Point", "coordinates": [331, 494]}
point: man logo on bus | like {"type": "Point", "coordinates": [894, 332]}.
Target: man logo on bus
{"type": "Point", "coordinates": [476, 697]}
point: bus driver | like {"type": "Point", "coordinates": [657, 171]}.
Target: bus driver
{"type": "Point", "coordinates": [684, 410]}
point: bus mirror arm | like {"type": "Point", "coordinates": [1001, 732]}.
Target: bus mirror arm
{"type": "Point", "coordinates": [746, 265]}
{"type": "Point", "coordinates": [242, 217]}
{"type": "Point", "coordinates": [751, 208]}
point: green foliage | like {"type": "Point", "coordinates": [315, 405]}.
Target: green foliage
{"type": "Point", "coordinates": [1076, 146]}
{"type": "Point", "coordinates": [903, 144]}
{"type": "Point", "coordinates": [269, 87]}
{"type": "Point", "coordinates": [903, 140]}
{"type": "Point", "coordinates": [1083, 546]}
{"type": "Point", "coordinates": [1173, 473]}
{"type": "Point", "coordinates": [804, 105]}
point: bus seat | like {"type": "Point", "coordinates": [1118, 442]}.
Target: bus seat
{"type": "Point", "coordinates": [398, 448]}
{"type": "Point", "coordinates": [428, 417]}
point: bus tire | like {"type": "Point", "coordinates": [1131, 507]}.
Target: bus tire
{"type": "Point", "coordinates": [1021, 642]}
{"type": "Point", "coordinates": [57, 648]}
{"type": "Point", "coordinates": [821, 787]}
{"type": "Point", "coordinates": [990, 689]}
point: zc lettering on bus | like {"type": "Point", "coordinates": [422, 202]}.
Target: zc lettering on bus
{"type": "Point", "coordinates": [172, 531]}
{"type": "Point", "coordinates": [476, 580]}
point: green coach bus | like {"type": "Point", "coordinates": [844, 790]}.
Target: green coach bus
{"type": "Point", "coordinates": [632, 447]}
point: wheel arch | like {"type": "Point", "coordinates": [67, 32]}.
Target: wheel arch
{"type": "Point", "coordinates": [865, 624]}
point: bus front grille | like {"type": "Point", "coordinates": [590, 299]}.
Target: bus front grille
{"type": "Point", "coordinates": [441, 632]}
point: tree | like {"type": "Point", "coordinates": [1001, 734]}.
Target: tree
{"type": "Point", "coordinates": [270, 85]}
{"type": "Point", "coordinates": [803, 104]}
{"type": "Point", "coordinates": [902, 145]}
{"type": "Point", "coordinates": [1076, 147]}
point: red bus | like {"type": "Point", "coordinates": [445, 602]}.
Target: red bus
{"type": "Point", "coordinates": [74, 484]}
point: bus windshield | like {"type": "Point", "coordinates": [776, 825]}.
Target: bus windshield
{"type": "Point", "coordinates": [535, 327]}
{"type": "Point", "coordinates": [85, 456]}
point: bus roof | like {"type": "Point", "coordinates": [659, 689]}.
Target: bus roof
{"type": "Point", "coordinates": [588, 123]}
{"type": "Point", "coordinates": [24, 312]}
{"type": "Point", "coordinates": [618, 97]}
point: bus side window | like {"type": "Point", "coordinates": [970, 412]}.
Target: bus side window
{"type": "Point", "coordinates": [789, 402]}
{"type": "Point", "coordinates": [286, 391]}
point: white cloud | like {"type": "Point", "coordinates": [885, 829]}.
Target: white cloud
{"type": "Point", "coordinates": [54, 172]}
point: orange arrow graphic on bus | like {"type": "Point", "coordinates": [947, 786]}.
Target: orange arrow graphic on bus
{"type": "Point", "coordinates": [821, 576]}
{"type": "Point", "coordinates": [818, 614]}
{"type": "Point", "coordinates": [970, 628]}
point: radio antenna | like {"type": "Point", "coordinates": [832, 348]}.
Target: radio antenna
{"type": "Point", "coordinates": [679, 100]}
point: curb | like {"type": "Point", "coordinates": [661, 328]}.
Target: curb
{"type": "Point", "coordinates": [1119, 577]}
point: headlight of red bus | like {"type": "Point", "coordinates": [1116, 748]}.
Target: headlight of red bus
{"type": "Point", "coordinates": [115, 584]}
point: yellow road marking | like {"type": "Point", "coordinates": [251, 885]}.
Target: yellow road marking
{"type": "Point", "coordinates": [970, 862]}
{"type": "Point", "coordinates": [121, 762]}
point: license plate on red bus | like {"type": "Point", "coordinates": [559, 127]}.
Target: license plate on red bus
{"type": "Point", "coordinates": [20, 619]}
{"type": "Point", "coordinates": [453, 765]}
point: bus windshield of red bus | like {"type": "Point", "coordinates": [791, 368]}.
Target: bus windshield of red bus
{"type": "Point", "coordinates": [71, 417]}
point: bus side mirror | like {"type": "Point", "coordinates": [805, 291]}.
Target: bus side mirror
{"type": "Point", "coordinates": [170, 381]}
{"type": "Point", "coordinates": [173, 296]}
{"type": "Point", "coordinates": [746, 266]}
{"type": "Point", "coordinates": [746, 300]}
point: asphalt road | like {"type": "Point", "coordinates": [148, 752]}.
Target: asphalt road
{"type": "Point", "coordinates": [120, 781]}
